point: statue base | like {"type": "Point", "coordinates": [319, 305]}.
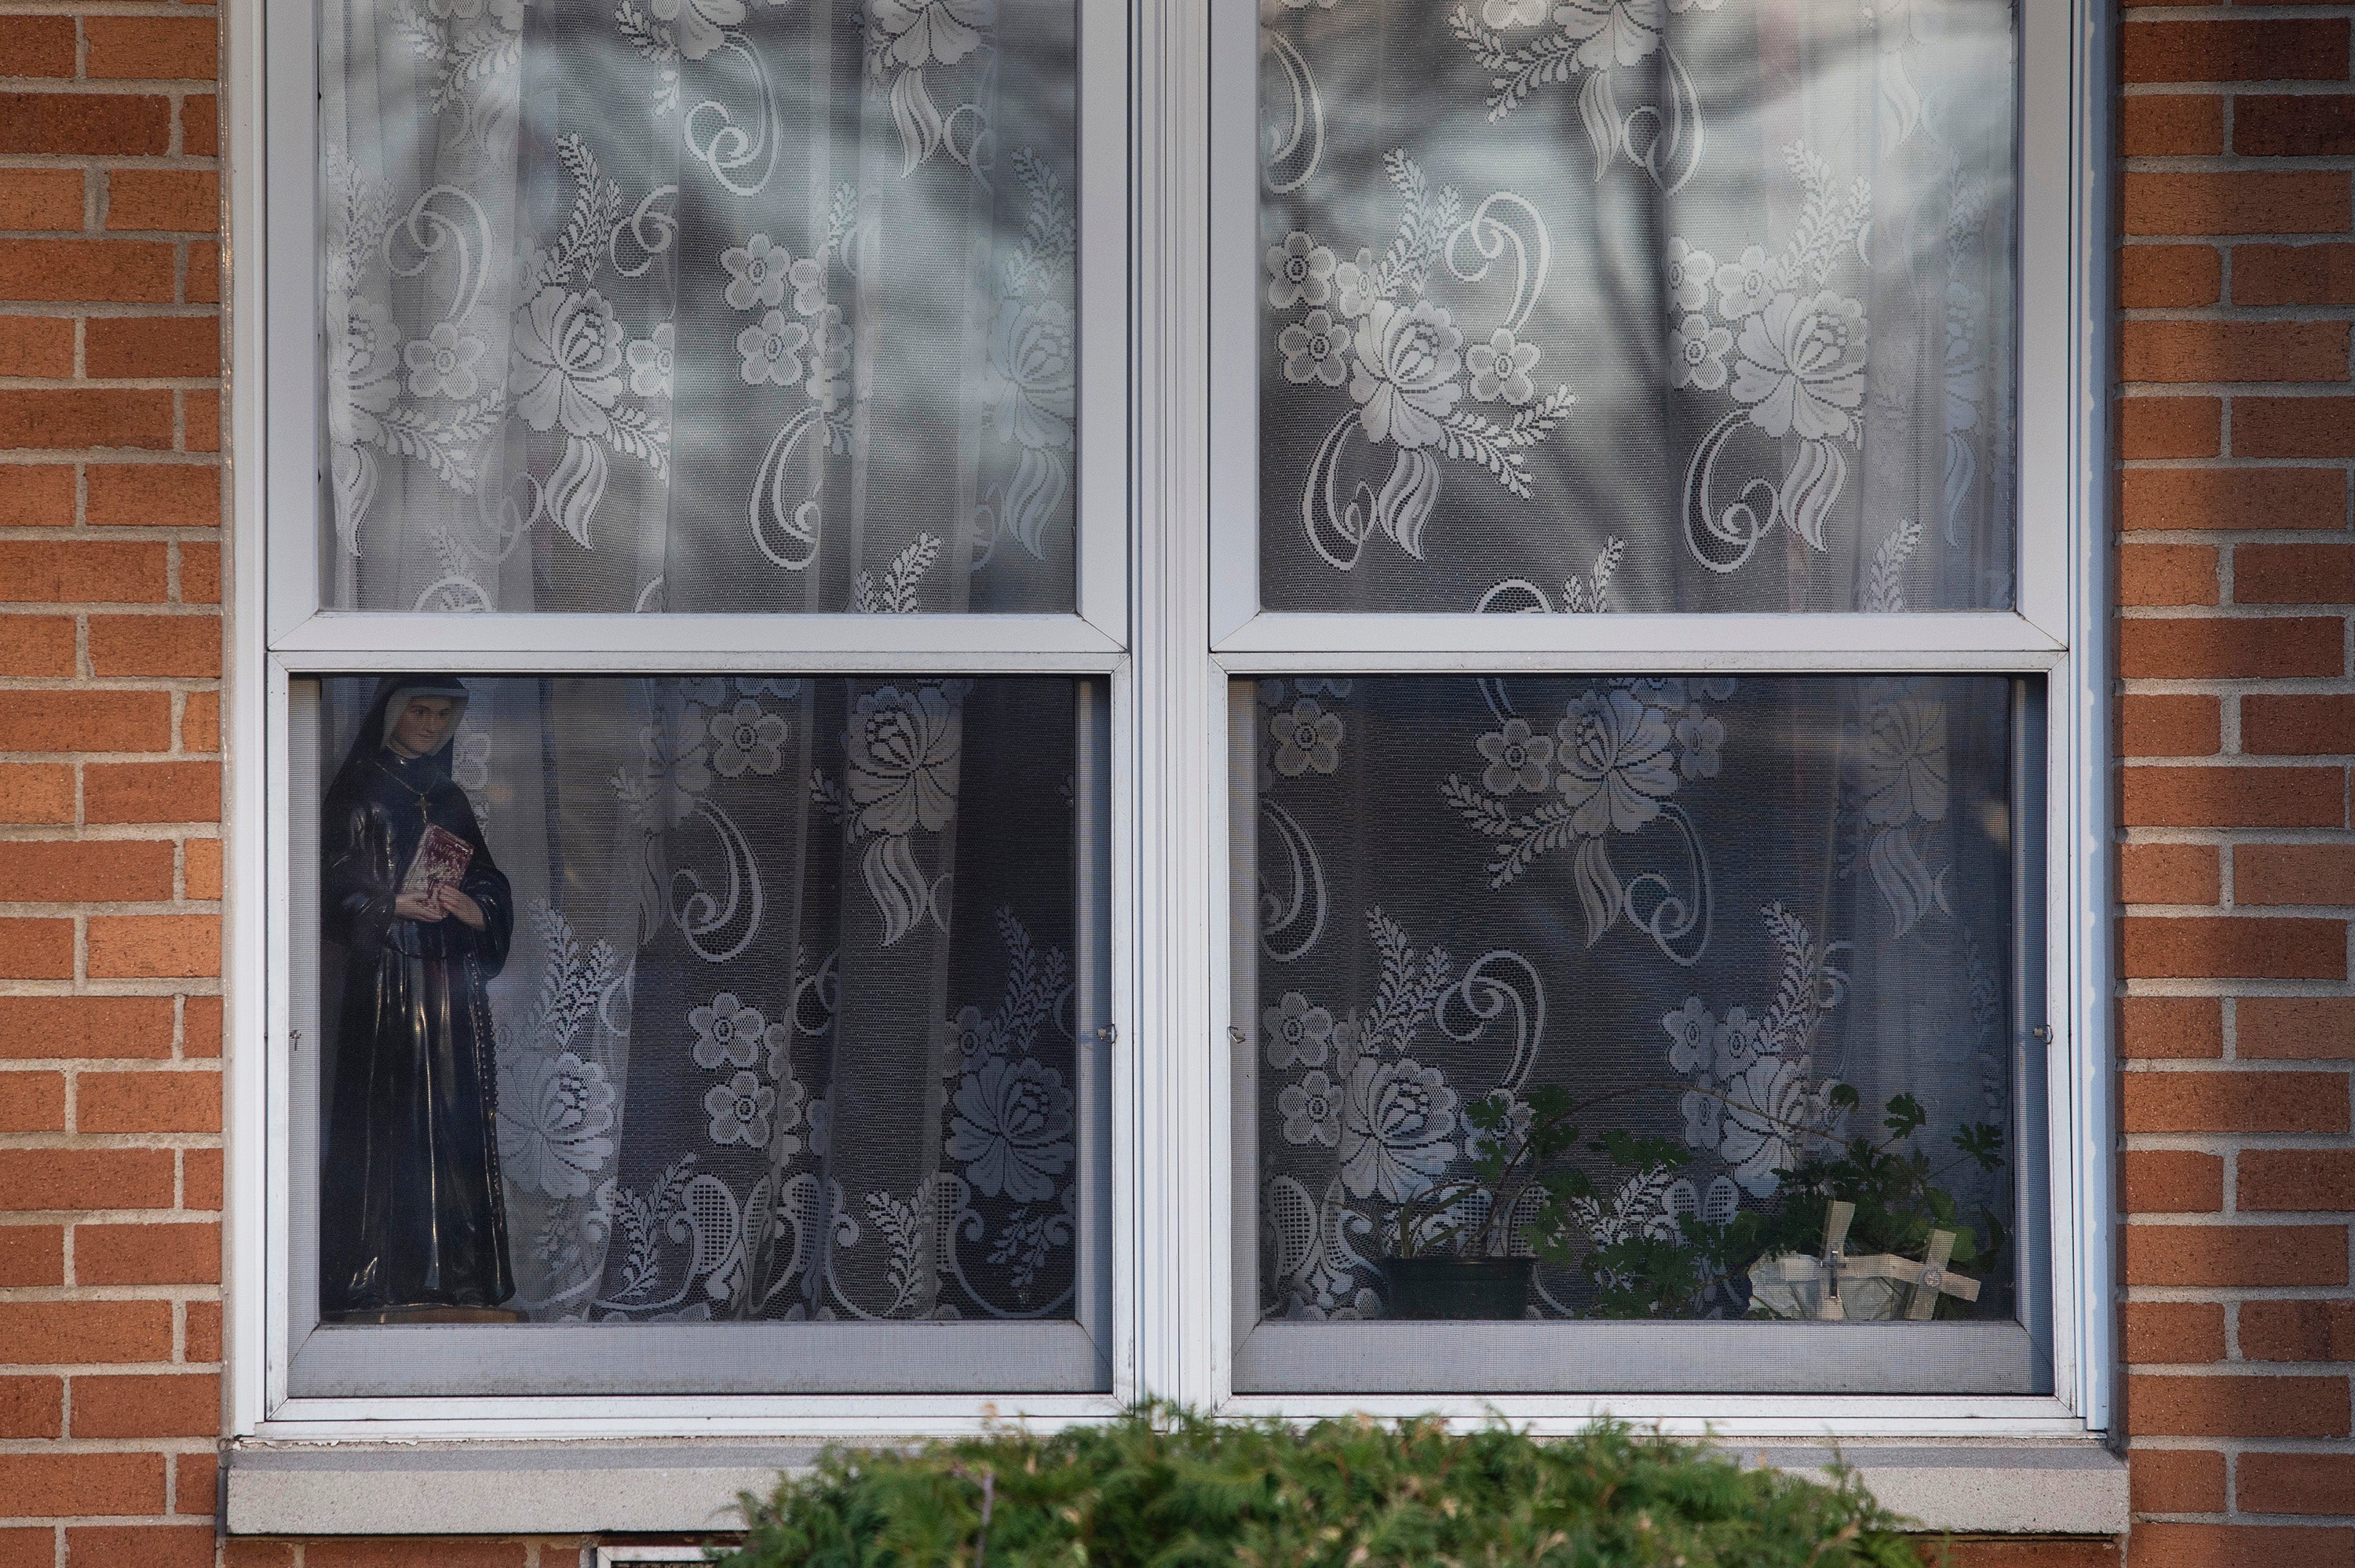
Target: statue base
{"type": "Point", "coordinates": [403, 1315]}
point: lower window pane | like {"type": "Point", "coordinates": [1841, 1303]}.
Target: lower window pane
{"type": "Point", "coordinates": [644, 1004]}
{"type": "Point", "coordinates": [1701, 1001]}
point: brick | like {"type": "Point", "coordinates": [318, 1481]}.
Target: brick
{"type": "Point", "coordinates": [62, 573]}
{"type": "Point", "coordinates": [2294, 274]}
{"type": "Point", "coordinates": [32, 1102]}
{"type": "Point", "coordinates": [382, 1552]}
{"type": "Point", "coordinates": [2170, 1027]}
{"type": "Point", "coordinates": [2161, 1332]}
{"type": "Point", "coordinates": [2236, 1256]}
{"type": "Point", "coordinates": [37, 346]}
{"type": "Point", "coordinates": [148, 1254]}
{"type": "Point", "coordinates": [141, 1545]}
{"type": "Point", "coordinates": [85, 124]}
{"type": "Point", "coordinates": [2294, 873]}
{"type": "Point", "coordinates": [2209, 1404]}
{"type": "Point", "coordinates": [200, 125]}
{"type": "Point", "coordinates": [85, 721]}
{"type": "Point", "coordinates": [2185, 498]}
{"type": "Point", "coordinates": [118, 271]}
{"type": "Point", "coordinates": [32, 1254]}
{"type": "Point", "coordinates": [2240, 203]}
{"type": "Point", "coordinates": [2234, 797]}
{"type": "Point", "coordinates": [154, 645]}
{"type": "Point", "coordinates": [200, 1016]}
{"type": "Point", "coordinates": [34, 1028]}
{"type": "Point", "coordinates": [196, 1488]}
{"type": "Point", "coordinates": [204, 275]}
{"type": "Point", "coordinates": [151, 792]}
{"type": "Point", "coordinates": [39, 45]}
{"type": "Point", "coordinates": [200, 580]}
{"type": "Point", "coordinates": [50, 1179]}
{"type": "Point", "coordinates": [2214, 648]}
{"type": "Point", "coordinates": [42, 198]}
{"type": "Point", "coordinates": [2171, 427]}
{"type": "Point", "coordinates": [2297, 1331]}
{"type": "Point", "coordinates": [30, 1547]}
{"type": "Point", "coordinates": [64, 418]}
{"type": "Point", "coordinates": [2295, 1028]}
{"type": "Point", "coordinates": [246, 1552]}
{"type": "Point", "coordinates": [200, 1179]}
{"type": "Point", "coordinates": [34, 1486]}
{"type": "Point", "coordinates": [146, 348]}
{"type": "Point", "coordinates": [153, 49]}
{"type": "Point", "coordinates": [201, 868]}
{"type": "Point", "coordinates": [148, 1101]}
{"type": "Point", "coordinates": [2169, 873]}
{"type": "Point", "coordinates": [2168, 574]}
{"type": "Point", "coordinates": [173, 1404]}
{"type": "Point", "coordinates": [2175, 1480]}
{"type": "Point", "coordinates": [2173, 1182]}
{"type": "Point", "coordinates": [148, 946]}
{"type": "Point", "coordinates": [2294, 427]}
{"type": "Point", "coordinates": [2179, 1545]}
{"type": "Point", "coordinates": [200, 722]}
{"type": "Point", "coordinates": [2294, 574]}
{"type": "Point", "coordinates": [2233, 351]}
{"type": "Point", "coordinates": [37, 496]}
{"type": "Point", "coordinates": [37, 644]}
{"type": "Point", "coordinates": [2232, 51]}
{"type": "Point", "coordinates": [2316, 726]}
{"type": "Point", "coordinates": [56, 1333]}
{"type": "Point", "coordinates": [2278, 125]}
{"type": "Point", "coordinates": [162, 495]}
{"type": "Point", "coordinates": [201, 420]}
{"type": "Point", "coordinates": [2233, 1102]}
{"type": "Point", "coordinates": [35, 792]}
{"type": "Point", "coordinates": [2175, 124]}
{"type": "Point", "coordinates": [54, 871]}
{"type": "Point", "coordinates": [184, 200]}
{"type": "Point", "coordinates": [203, 1332]}
{"type": "Point", "coordinates": [32, 1407]}
{"type": "Point", "coordinates": [2169, 725]}
{"type": "Point", "coordinates": [2165, 277]}
{"type": "Point", "coordinates": [2304, 1180]}
{"type": "Point", "coordinates": [37, 949]}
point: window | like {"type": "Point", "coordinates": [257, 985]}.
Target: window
{"type": "Point", "coordinates": [936, 741]}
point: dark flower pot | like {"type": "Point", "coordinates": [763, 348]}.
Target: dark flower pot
{"type": "Point", "coordinates": [1487, 1288]}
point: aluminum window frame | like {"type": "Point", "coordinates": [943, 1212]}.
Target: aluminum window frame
{"type": "Point", "coordinates": [1153, 620]}
{"type": "Point", "coordinates": [2058, 630]}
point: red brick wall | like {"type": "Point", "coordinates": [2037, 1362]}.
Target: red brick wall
{"type": "Point", "coordinates": [2236, 574]}
{"type": "Point", "coordinates": [2236, 571]}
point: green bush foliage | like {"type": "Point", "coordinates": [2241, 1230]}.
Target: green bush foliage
{"type": "Point", "coordinates": [1165, 1487]}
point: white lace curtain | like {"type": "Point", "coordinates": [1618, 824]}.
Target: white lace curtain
{"type": "Point", "coordinates": [779, 1038]}
{"type": "Point", "coordinates": [1636, 304]}
{"type": "Point", "coordinates": [708, 304]}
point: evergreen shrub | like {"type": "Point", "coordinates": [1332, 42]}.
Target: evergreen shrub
{"type": "Point", "coordinates": [1165, 1487]}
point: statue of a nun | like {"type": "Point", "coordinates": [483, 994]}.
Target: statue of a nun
{"type": "Point", "coordinates": [412, 1224]}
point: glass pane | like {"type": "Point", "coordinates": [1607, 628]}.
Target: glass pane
{"type": "Point", "coordinates": [1613, 305]}
{"type": "Point", "coordinates": [637, 305]}
{"type": "Point", "coordinates": [691, 1001]}
{"type": "Point", "coordinates": [1756, 941]}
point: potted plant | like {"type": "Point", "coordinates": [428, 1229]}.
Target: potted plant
{"type": "Point", "coordinates": [1880, 1204]}
{"type": "Point", "coordinates": [1465, 1248]}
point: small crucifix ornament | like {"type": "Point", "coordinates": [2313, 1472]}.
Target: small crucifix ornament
{"type": "Point", "coordinates": [1927, 1279]}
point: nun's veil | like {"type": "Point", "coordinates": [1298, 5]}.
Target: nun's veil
{"type": "Point", "coordinates": [384, 710]}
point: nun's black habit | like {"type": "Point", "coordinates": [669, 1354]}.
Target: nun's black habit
{"type": "Point", "coordinates": [411, 1214]}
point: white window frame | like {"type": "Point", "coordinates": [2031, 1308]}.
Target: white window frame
{"type": "Point", "coordinates": [1160, 489]}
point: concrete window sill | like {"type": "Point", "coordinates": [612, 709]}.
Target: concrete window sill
{"type": "Point", "coordinates": [475, 1487]}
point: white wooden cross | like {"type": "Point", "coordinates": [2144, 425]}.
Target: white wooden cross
{"type": "Point", "coordinates": [1930, 1277]}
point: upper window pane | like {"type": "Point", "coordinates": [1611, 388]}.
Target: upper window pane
{"type": "Point", "coordinates": [1621, 305]}
{"type": "Point", "coordinates": [709, 306]}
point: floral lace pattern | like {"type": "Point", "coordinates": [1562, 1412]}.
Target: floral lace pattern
{"type": "Point", "coordinates": [1749, 328]}
{"type": "Point", "coordinates": [1743, 975]}
{"type": "Point", "coordinates": [669, 328]}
